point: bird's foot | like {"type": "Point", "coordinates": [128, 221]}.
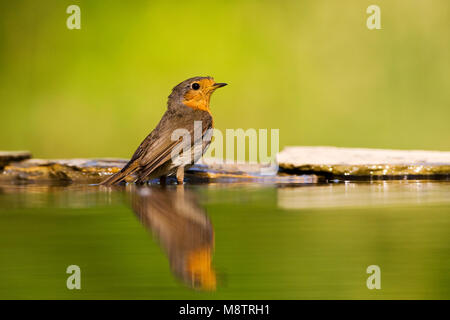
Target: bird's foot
{"type": "Point", "coordinates": [180, 175]}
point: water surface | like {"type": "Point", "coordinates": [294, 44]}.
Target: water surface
{"type": "Point", "coordinates": [248, 241]}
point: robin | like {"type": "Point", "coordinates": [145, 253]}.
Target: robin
{"type": "Point", "coordinates": [187, 106]}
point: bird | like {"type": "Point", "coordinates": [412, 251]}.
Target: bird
{"type": "Point", "coordinates": [158, 155]}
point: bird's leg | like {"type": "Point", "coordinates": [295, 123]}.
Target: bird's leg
{"type": "Point", "coordinates": [180, 174]}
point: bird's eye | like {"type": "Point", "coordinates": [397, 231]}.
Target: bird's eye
{"type": "Point", "coordinates": [195, 86]}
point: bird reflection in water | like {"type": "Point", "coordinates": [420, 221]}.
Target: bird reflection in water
{"type": "Point", "coordinates": [183, 229]}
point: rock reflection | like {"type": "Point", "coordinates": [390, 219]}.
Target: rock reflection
{"type": "Point", "coordinates": [183, 230]}
{"type": "Point", "coordinates": [364, 194]}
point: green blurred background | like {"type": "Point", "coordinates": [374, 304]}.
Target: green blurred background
{"type": "Point", "coordinates": [310, 68]}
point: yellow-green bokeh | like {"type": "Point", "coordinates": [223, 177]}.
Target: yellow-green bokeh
{"type": "Point", "coordinates": [309, 68]}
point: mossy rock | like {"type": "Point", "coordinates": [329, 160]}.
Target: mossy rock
{"type": "Point", "coordinates": [96, 170]}
{"type": "Point", "coordinates": [365, 164]}
{"type": "Point", "coordinates": [6, 157]}
{"type": "Point", "coordinates": [73, 170]}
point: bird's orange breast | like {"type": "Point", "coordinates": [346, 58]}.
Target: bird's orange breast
{"type": "Point", "coordinates": [199, 99]}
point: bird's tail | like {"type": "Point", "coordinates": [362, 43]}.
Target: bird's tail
{"type": "Point", "coordinates": [129, 168]}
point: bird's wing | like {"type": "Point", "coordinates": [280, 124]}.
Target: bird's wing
{"type": "Point", "coordinates": [157, 148]}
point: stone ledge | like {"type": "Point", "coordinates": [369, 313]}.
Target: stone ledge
{"type": "Point", "coordinates": [298, 165]}
{"type": "Point", "coordinates": [7, 157]}
{"type": "Point", "coordinates": [69, 170]}
{"type": "Point", "coordinates": [96, 170]}
{"type": "Point", "coordinates": [350, 163]}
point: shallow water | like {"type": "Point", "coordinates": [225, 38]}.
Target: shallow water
{"type": "Point", "coordinates": [247, 241]}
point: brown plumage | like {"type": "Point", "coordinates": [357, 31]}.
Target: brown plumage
{"type": "Point", "coordinates": [156, 155]}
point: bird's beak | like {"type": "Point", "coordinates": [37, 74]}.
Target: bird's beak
{"type": "Point", "coordinates": [218, 85]}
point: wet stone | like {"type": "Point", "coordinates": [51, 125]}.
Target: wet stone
{"type": "Point", "coordinates": [96, 170]}
{"type": "Point", "coordinates": [7, 157]}
{"type": "Point", "coordinates": [365, 164]}
{"type": "Point", "coordinates": [70, 170]}
{"type": "Point", "coordinates": [218, 171]}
